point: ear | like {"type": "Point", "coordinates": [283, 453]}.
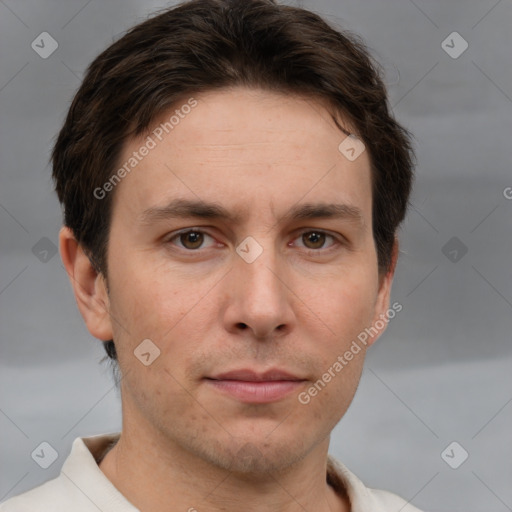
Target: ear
{"type": "Point", "coordinates": [88, 285]}
{"type": "Point", "coordinates": [381, 318]}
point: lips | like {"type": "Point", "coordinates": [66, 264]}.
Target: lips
{"type": "Point", "coordinates": [254, 376]}
{"type": "Point", "coordinates": [250, 386]}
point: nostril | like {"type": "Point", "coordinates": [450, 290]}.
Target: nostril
{"type": "Point", "coordinates": [241, 325]}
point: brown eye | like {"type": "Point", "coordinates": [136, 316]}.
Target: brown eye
{"type": "Point", "coordinates": [314, 239]}
{"type": "Point", "coordinates": [191, 239]}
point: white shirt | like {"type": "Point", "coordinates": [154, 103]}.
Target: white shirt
{"type": "Point", "coordinates": [83, 487]}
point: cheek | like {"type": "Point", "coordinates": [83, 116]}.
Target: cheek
{"type": "Point", "coordinates": [327, 399]}
{"type": "Point", "coordinates": [150, 300]}
{"type": "Point", "coordinates": [175, 315]}
{"type": "Point", "coordinates": [346, 304]}
{"type": "Point", "coordinates": [161, 394]}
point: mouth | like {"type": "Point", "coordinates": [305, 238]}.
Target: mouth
{"type": "Point", "coordinates": [250, 386]}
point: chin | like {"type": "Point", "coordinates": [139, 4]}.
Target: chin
{"type": "Point", "coordinates": [252, 454]}
{"type": "Point", "coordinates": [258, 459]}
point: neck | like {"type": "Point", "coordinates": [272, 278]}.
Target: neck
{"type": "Point", "coordinates": [157, 475]}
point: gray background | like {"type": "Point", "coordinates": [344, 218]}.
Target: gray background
{"type": "Point", "coordinates": [441, 372]}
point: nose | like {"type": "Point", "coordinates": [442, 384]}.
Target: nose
{"type": "Point", "coordinates": [259, 298]}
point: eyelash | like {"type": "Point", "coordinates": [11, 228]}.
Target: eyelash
{"type": "Point", "coordinates": [336, 240]}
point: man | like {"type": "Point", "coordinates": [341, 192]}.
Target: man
{"type": "Point", "coordinates": [232, 183]}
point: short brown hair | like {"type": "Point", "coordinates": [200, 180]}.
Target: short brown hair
{"type": "Point", "coordinates": [203, 45]}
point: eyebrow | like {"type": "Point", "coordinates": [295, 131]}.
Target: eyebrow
{"type": "Point", "coordinates": [185, 208]}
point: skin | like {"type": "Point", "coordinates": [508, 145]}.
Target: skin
{"type": "Point", "coordinates": [297, 307]}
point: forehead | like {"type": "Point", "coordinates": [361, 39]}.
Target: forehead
{"type": "Point", "coordinates": [247, 147]}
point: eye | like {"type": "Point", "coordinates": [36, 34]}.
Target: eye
{"type": "Point", "coordinates": [190, 239]}
{"type": "Point", "coordinates": [316, 239]}
{"type": "Point", "coordinates": [194, 239]}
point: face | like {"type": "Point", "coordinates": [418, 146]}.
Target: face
{"type": "Point", "coordinates": [227, 253]}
